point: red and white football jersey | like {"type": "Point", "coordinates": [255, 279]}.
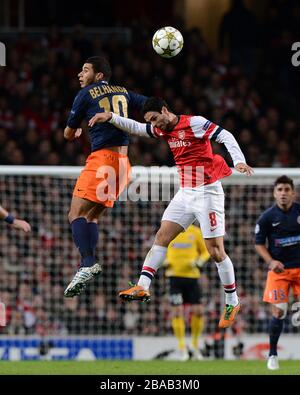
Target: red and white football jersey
{"type": "Point", "coordinates": [190, 144]}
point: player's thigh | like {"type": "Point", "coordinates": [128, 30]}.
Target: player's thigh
{"type": "Point", "coordinates": [103, 178]}
{"type": "Point", "coordinates": [177, 211]}
{"type": "Point", "coordinates": [80, 207]}
{"type": "Point", "coordinates": [277, 287]}
{"type": "Point", "coordinates": [95, 212]}
{"type": "Point", "coordinates": [212, 216]}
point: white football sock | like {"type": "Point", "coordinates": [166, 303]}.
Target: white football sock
{"type": "Point", "coordinates": [226, 274]}
{"type": "Point", "coordinates": [153, 261]}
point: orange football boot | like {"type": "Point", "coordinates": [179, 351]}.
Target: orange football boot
{"type": "Point", "coordinates": [135, 293]}
{"type": "Point", "coordinates": [228, 316]}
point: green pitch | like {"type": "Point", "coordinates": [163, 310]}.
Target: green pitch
{"type": "Point", "coordinates": [146, 368]}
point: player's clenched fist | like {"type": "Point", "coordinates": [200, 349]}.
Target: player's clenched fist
{"type": "Point", "coordinates": [244, 168]}
{"type": "Point", "coordinates": [22, 225]}
{"type": "Point", "coordinates": [14, 222]}
{"type": "Point", "coordinates": [276, 266]}
{"type": "Point", "coordinates": [78, 133]}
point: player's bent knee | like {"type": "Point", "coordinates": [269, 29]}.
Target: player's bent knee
{"type": "Point", "coordinates": [163, 238]}
{"type": "Point", "coordinates": [280, 310]}
{"type": "Point", "coordinates": [217, 253]}
{"type": "Point", "coordinates": [77, 212]}
{"type": "Point", "coordinates": [71, 217]}
{"type": "Point", "coordinates": [177, 311]}
{"type": "Point", "coordinates": [197, 310]}
{"type": "Point", "coordinates": [197, 314]}
{"type": "Point", "coordinates": [215, 248]}
{"type": "Point", "coordinates": [94, 220]}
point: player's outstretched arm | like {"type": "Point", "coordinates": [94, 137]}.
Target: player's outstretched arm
{"type": "Point", "coordinates": [126, 124]}
{"type": "Point", "coordinates": [234, 150]}
{"type": "Point", "coordinates": [14, 222]}
{"type": "Point", "coordinates": [100, 117]}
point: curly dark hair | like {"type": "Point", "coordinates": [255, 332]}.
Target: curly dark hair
{"type": "Point", "coordinates": [154, 104]}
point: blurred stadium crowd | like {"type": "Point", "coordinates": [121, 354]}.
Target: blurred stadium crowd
{"type": "Point", "coordinates": [252, 91]}
{"type": "Point", "coordinates": [255, 96]}
{"type": "Point", "coordinates": [36, 267]}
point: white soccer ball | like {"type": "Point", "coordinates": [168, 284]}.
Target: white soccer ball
{"type": "Point", "coordinates": [167, 42]}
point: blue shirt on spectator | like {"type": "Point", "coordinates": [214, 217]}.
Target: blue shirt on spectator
{"type": "Point", "coordinates": [104, 97]}
{"type": "Point", "coordinates": [282, 230]}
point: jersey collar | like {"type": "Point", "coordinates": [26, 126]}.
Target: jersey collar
{"type": "Point", "coordinates": [283, 211]}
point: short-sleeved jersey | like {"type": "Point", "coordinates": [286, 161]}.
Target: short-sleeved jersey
{"type": "Point", "coordinates": [190, 144]}
{"type": "Point", "coordinates": [183, 251]}
{"type": "Point", "coordinates": [282, 231]}
{"type": "Point", "coordinates": [103, 97]}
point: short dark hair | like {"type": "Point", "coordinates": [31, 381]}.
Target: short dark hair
{"type": "Point", "coordinates": [284, 180]}
{"type": "Point", "coordinates": [100, 65]}
{"type": "Point", "coordinates": [154, 104]}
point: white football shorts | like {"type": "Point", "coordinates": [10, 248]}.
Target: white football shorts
{"type": "Point", "coordinates": [205, 203]}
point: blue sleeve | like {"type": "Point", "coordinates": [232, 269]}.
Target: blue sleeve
{"type": "Point", "coordinates": [77, 112]}
{"type": "Point", "coordinates": [261, 230]}
{"type": "Point", "coordinates": [136, 100]}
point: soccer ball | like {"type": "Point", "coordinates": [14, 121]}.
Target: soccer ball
{"type": "Point", "coordinates": [167, 42]}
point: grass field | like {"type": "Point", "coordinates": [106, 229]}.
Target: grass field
{"type": "Point", "coordinates": [146, 368]}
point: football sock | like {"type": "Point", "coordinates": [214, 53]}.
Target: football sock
{"type": "Point", "coordinates": [275, 330]}
{"type": "Point", "coordinates": [197, 324]}
{"type": "Point", "coordinates": [226, 274]}
{"type": "Point", "coordinates": [153, 261]}
{"type": "Point", "coordinates": [94, 236]}
{"type": "Point", "coordinates": [178, 326]}
{"type": "Point", "coordinates": [81, 237]}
